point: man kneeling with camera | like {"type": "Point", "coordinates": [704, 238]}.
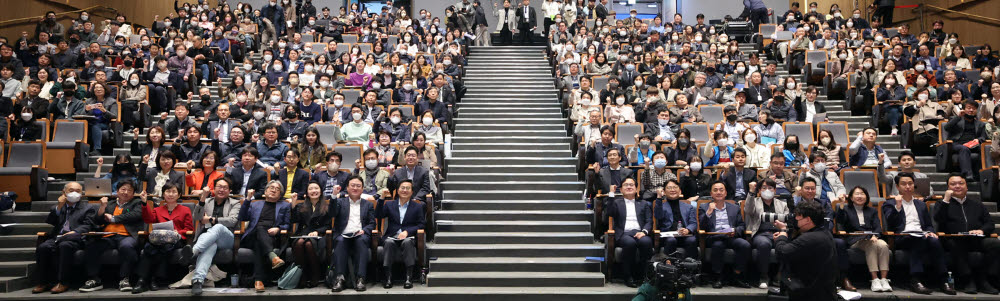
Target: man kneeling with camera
{"type": "Point", "coordinates": [809, 259]}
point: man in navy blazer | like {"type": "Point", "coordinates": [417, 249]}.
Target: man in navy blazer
{"type": "Point", "coordinates": [632, 236]}
{"type": "Point", "coordinates": [907, 213]}
{"type": "Point", "coordinates": [300, 177]}
{"type": "Point", "coordinates": [737, 177]}
{"type": "Point", "coordinates": [419, 175]}
{"type": "Point", "coordinates": [404, 218]}
{"type": "Point", "coordinates": [248, 176]}
{"type": "Point", "coordinates": [265, 220]}
{"type": "Point", "coordinates": [732, 228]}
{"type": "Point", "coordinates": [663, 210]}
{"type": "Point", "coordinates": [354, 220]}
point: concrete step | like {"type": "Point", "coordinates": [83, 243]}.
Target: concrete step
{"type": "Point", "coordinates": [26, 229]}
{"type": "Point", "coordinates": [18, 254]}
{"type": "Point", "coordinates": [515, 279]}
{"type": "Point", "coordinates": [501, 146]}
{"type": "Point", "coordinates": [498, 99]}
{"type": "Point", "coordinates": [517, 169]}
{"type": "Point", "coordinates": [510, 127]}
{"type": "Point", "coordinates": [562, 153]}
{"type": "Point", "coordinates": [513, 238]}
{"type": "Point", "coordinates": [515, 264]}
{"type": "Point", "coordinates": [502, 161]}
{"type": "Point", "coordinates": [475, 115]}
{"type": "Point", "coordinates": [504, 176]}
{"type": "Point", "coordinates": [501, 94]}
{"type": "Point", "coordinates": [10, 284]}
{"type": "Point", "coordinates": [513, 226]}
{"type": "Point", "coordinates": [515, 250]}
{"type": "Point", "coordinates": [532, 215]}
{"type": "Point", "coordinates": [508, 105]}
{"type": "Point", "coordinates": [479, 194]}
{"type": "Point", "coordinates": [494, 133]}
{"type": "Point", "coordinates": [16, 268]}
{"type": "Point", "coordinates": [23, 217]}
{"type": "Point", "coordinates": [18, 241]}
{"type": "Point", "coordinates": [508, 204]}
{"type": "Point", "coordinates": [518, 120]}
{"type": "Point", "coordinates": [475, 110]}
{"type": "Point", "coordinates": [452, 185]}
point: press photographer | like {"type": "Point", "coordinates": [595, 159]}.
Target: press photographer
{"type": "Point", "coordinates": [808, 259]}
{"type": "Point", "coordinates": [669, 278]}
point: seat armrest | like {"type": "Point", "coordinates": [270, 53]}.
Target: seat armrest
{"type": "Point", "coordinates": [421, 246]}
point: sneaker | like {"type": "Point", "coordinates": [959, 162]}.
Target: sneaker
{"type": "Point", "coordinates": [124, 286]}
{"type": "Point", "coordinates": [92, 285]}
{"type": "Point", "coordinates": [876, 285]}
{"type": "Point", "coordinates": [885, 285]}
{"type": "Point", "coordinates": [763, 285]}
{"type": "Point", "coordinates": [894, 132]}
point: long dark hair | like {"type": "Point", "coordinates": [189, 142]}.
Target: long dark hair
{"type": "Point", "coordinates": [323, 200]}
{"type": "Point", "coordinates": [118, 168]}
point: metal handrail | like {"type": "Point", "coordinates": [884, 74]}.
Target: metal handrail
{"type": "Point", "coordinates": [17, 20]}
{"type": "Point", "coordinates": [962, 13]}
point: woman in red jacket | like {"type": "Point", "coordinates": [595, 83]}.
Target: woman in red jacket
{"type": "Point", "coordinates": [204, 178]}
{"type": "Point", "coordinates": [162, 244]}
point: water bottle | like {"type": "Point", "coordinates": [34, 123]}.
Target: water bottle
{"type": "Point", "coordinates": [951, 281]}
{"type": "Point", "coordinates": [679, 226]}
{"type": "Point", "coordinates": [235, 280]}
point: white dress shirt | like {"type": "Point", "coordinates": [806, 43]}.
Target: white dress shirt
{"type": "Point", "coordinates": [354, 218]}
{"type": "Point", "coordinates": [631, 220]}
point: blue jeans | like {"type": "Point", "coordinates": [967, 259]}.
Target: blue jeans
{"type": "Point", "coordinates": [895, 114]}
{"type": "Point", "coordinates": [96, 135]}
{"type": "Point", "coordinates": [210, 241]}
{"type": "Point", "coordinates": [204, 71]}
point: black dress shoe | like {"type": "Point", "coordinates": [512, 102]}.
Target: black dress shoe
{"type": "Point", "coordinates": [153, 286]}
{"type": "Point", "coordinates": [388, 281]}
{"type": "Point", "coordinates": [338, 285]}
{"type": "Point", "coordinates": [408, 283]}
{"type": "Point", "coordinates": [970, 288]}
{"type": "Point", "coordinates": [139, 287]}
{"type": "Point", "coordinates": [717, 283]}
{"type": "Point", "coordinates": [739, 283]}
{"type": "Point", "coordinates": [631, 282]}
{"type": "Point", "coordinates": [360, 286]}
{"type": "Point", "coordinates": [919, 288]}
{"type": "Point", "coordinates": [986, 288]}
{"type": "Point", "coordinates": [196, 288]}
{"type": "Point", "coordinates": [947, 289]}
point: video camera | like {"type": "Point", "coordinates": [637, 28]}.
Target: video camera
{"type": "Point", "coordinates": [673, 277]}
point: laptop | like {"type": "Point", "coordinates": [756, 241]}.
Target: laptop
{"type": "Point", "coordinates": [97, 187]}
{"type": "Point", "coordinates": [922, 186]}
{"type": "Point", "coordinates": [819, 118]}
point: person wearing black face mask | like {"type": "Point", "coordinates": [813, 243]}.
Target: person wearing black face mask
{"type": "Point", "coordinates": [967, 132]}
{"type": "Point", "coordinates": [682, 153]}
{"type": "Point", "coordinates": [202, 103]}
{"type": "Point", "coordinates": [780, 107]}
{"type": "Point", "coordinates": [292, 127]}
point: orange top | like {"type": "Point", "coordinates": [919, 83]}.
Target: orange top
{"type": "Point", "coordinates": [115, 227]}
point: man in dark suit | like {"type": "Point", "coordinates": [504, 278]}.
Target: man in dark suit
{"type": "Point", "coordinates": [611, 177]}
{"type": "Point", "coordinates": [265, 220]}
{"type": "Point", "coordinates": [633, 222]}
{"type": "Point", "coordinates": [810, 258]}
{"type": "Point", "coordinates": [70, 219]}
{"type": "Point", "coordinates": [673, 213]}
{"type": "Point", "coordinates": [419, 175]}
{"type": "Point", "coordinates": [248, 176]}
{"type": "Point", "coordinates": [966, 129]}
{"type": "Point", "coordinates": [723, 222]}
{"type": "Point", "coordinates": [957, 214]}
{"type": "Point", "coordinates": [219, 129]}
{"type": "Point", "coordinates": [300, 177]}
{"type": "Point", "coordinates": [737, 177]}
{"type": "Point", "coordinates": [527, 21]}
{"type": "Point", "coordinates": [601, 10]}
{"type": "Point", "coordinates": [354, 219]}
{"type": "Point", "coordinates": [330, 177]}
{"type": "Point", "coordinates": [404, 218]}
{"type": "Point", "coordinates": [904, 213]}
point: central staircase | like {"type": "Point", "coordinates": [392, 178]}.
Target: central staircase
{"type": "Point", "coordinates": [512, 213]}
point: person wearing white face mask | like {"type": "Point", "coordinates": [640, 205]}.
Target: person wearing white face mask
{"type": "Point", "coordinates": [356, 130]}
{"type": "Point", "coordinates": [829, 188]}
{"type": "Point", "coordinates": [70, 219]}
{"type": "Point", "coordinates": [719, 149]}
{"type": "Point", "coordinates": [757, 155]}
{"type": "Point", "coordinates": [397, 128]}
{"type": "Point", "coordinates": [760, 202]}
{"type": "Point", "coordinates": [618, 112]}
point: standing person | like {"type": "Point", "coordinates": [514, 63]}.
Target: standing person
{"type": "Point", "coordinates": [506, 22]}
{"type": "Point", "coordinates": [527, 21]}
{"type": "Point", "coordinates": [884, 11]}
{"type": "Point", "coordinates": [757, 12]}
{"type": "Point", "coordinates": [810, 257]}
{"type": "Point", "coordinates": [482, 29]}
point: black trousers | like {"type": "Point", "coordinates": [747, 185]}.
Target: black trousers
{"type": "Point", "coordinates": [526, 33]}
{"type": "Point", "coordinates": [631, 247]}
{"type": "Point", "coordinates": [920, 248]}
{"type": "Point", "coordinates": [545, 30]}
{"type": "Point", "coordinates": [54, 258]}
{"type": "Point", "coordinates": [262, 245]}
{"type": "Point", "coordinates": [960, 248]}
{"type": "Point", "coordinates": [718, 245]}
{"type": "Point", "coordinates": [158, 256]}
{"type": "Point", "coordinates": [356, 249]}
{"type": "Point", "coordinates": [127, 253]}
{"type": "Point", "coordinates": [393, 249]}
{"type": "Point", "coordinates": [885, 12]}
{"type": "Point", "coordinates": [506, 36]}
{"type": "Point", "coordinates": [763, 242]}
{"type": "Point", "coordinates": [757, 17]}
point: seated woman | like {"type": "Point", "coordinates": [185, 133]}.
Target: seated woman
{"type": "Point", "coordinates": [857, 216]}
{"type": "Point", "coordinates": [25, 128]}
{"type": "Point", "coordinates": [313, 219]}
{"type": "Point", "coordinates": [266, 219]}
{"type": "Point", "coordinates": [695, 182]}
{"type": "Point", "coordinates": [685, 150]}
{"type": "Point", "coordinates": [162, 174]}
{"type": "Point", "coordinates": [642, 152]}
{"type": "Point", "coordinates": [397, 126]}
{"type": "Point", "coordinates": [758, 155]}
{"type": "Point", "coordinates": [632, 237]}
{"type": "Point", "coordinates": [827, 145]}
{"type": "Point", "coordinates": [104, 108]}
{"type": "Point", "coordinates": [759, 202]}
{"type": "Point", "coordinates": [218, 215]}
{"type": "Point", "coordinates": [356, 130]}
{"type": "Point", "coordinates": [769, 131]}
{"type": "Point", "coordinates": [794, 156]}
{"type": "Point", "coordinates": [432, 132]}
{"type": "Point", "coordinates": [161, 246]}
{"type": "Point", "coordinates": [153, 147]}
{"type": "Point", "coordinates": [674, 213]}
{"type": "Point", "coordinates": [204, 178]}
{"type": "Point", "coordinates": [891, 95]}
{"type": "Point", "coordinates": [924, 113]}
{"type": "Point", "coordinates": [719, 141]}
{"type": "Point", "coordinates": [123, 169]}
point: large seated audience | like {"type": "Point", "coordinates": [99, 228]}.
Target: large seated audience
{"type": "Point", "coordinates": [670, 110]}
{"type": "Point", "coordinates": [687, 141]}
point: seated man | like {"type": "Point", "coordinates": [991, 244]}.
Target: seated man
{"type": "Point", "coordinates": [674, 213]}
{"type": "Point", "coordinates": [159, 80]}
{"type": "Point", "coordinates": [265, 219]}
{"type": "Point", "coordinates": [611, 177]}
{"type": "Point", "coordinates": [786, 180]}
{"type": "Point", "coordinates": [906, 213]}
{"type": "Point", "coordinates": [218, 215]}
{"type": "Point", "coordinates": [376, 178]}
{"type": "Point", "coordinates": [124, 220]}
{"type": "Point", "coordinates": [296, 178]}
{"type": "Point", "coordinates": [418, 174]}
{"type": "Point", "coordinates": [354, 221]}
{"type": "Point", "coordinates": [330, 177]}
{"type": "Point", "coordinates": [967, 132]}
{"type": "Point", "coordinates": [957, 214]}
{"type": "Point", "coordinates": [70, 219]}
{"type": "Point", "coordinates": [271, 150]}
{"type": "Point", "coordinates": [248, 176]}
{"type": "Point", "coordinates": [724, 218]}
{"type": "Point", "coordinates": [906, 162]}
{"type": "Point", "coordinates": [404, 218]}
{"type": "Point", "coordinates": [737, 177]}
{"type": "Point", "coordinates": [632, 224]}
{"type": "Point", "coordinates": [865, 153]}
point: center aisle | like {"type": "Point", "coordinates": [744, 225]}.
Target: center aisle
{"type": "Point", "coordinates": [511, 213]}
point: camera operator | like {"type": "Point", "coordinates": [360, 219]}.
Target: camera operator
{"type": "Point", "coordinates": [760, 203]}
{"type": "Point", "coordinates": [810, 258]}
